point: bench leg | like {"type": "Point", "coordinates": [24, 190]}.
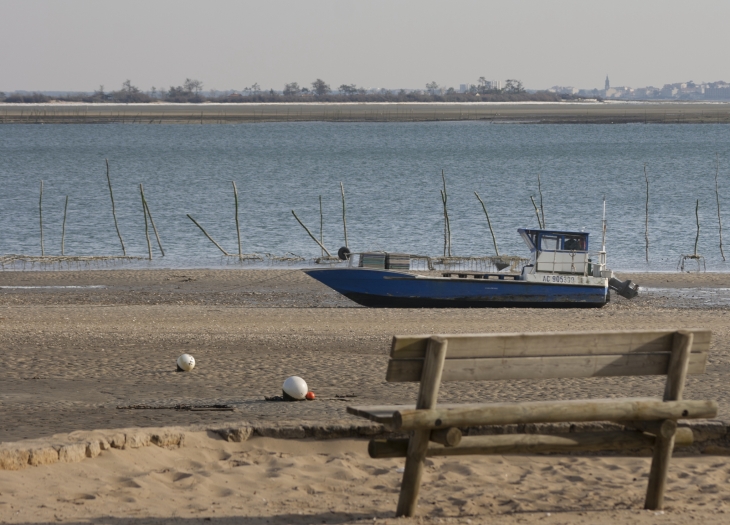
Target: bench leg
{"type": "Point", "coordinates": [411, 483]}
{"type": "Point", "coordinates": [418, 444]}
{"type": "Point", "coordinates": [663, 448]}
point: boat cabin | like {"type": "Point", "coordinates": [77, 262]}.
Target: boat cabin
{"type": "Point", "coordinates": [558, 251]}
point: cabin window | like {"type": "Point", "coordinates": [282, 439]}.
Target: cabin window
{"type": "Point", "coordinates": [574, 243]}
{"type": "Point", "coordinates": [549, 242]}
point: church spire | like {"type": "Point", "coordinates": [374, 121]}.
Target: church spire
{"type": "Point", "coordinates": [608, 85]}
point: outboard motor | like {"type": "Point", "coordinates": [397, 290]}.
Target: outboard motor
{"type": "Point", "coordinates": [624, 288]}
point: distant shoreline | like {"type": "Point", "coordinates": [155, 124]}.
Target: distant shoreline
{"type": "Point", "coordinates": [588, 112]}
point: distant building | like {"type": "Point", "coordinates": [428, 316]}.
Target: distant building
{"type": "Point", "coordinates": [463, 88]}
{"type": "Point", "coordinates": [608, 84]}
{"type": "Point", "coordinates": [564, 90]}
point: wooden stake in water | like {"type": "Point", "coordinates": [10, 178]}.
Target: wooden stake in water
{"type": "Point", "coordinates": [206, 234]}
{"type": "Point", "coordinates": [717, 196]}
{"type": "Point", "coordinates": [447, 224]}
{"type": "Point", "coordinates": [321, 225]}
{"type": "Point", "coordinates": [494, 239]}
{"type": "Point", "coordinates": [646, 220]}
{"type": "Point", "coordinates": [697, 216]}
{"type": "Point", "coordinates": [146, 227]}
{"type": "Point", "coordinates": [114, 212]}
{"type": "Point", "coordinates": [344, 218]}
{"type": "Point", "coordinates": [154, 228]}
{"type": "Point", "coordinates": [542, 209]}
{"type": "Point", "coordinates": [238, 228]}
{"type": "Point", "coordinates": [537, 213]}
{"type": "Point", "coordinates": [310, 234]}
{"type": "Point", "coordinates": [63, 230]}
{"type": "Point", "coordinates": [40, 216]}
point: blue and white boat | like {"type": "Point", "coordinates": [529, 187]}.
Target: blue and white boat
{"type": "Point", "coordinates": [562, 272]}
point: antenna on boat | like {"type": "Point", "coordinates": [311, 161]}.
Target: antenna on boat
{"type": "Point", "coordinates": [603, 238]}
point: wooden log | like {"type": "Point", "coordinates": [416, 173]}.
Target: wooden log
{"type": "Point", "coordinates": [655, 428]}
{"type": "Point", "coordinates": [645, 409]}
{"type": "Point", "coordinates": [448, 437]}
{"type": "Point", "coordinates": [497, 369]}
{"type": "Point", "coordinates": [549, 343]}
{"type": "Point", "coordinates": [206, 234]}
{"type": "Point", "coordinates": [676, 376]}
{"type": "Point", "coordinates": [418, 443]}
{"type": "Point", "coordinates": [531, 444]}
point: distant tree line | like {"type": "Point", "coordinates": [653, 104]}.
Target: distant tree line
{"type": "Point", "coordinates": [191, 91]}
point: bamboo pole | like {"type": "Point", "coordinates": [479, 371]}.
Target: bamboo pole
{"type": "Point", "coordinates": [537, 212]}
{"type": "Point", "coordinates": [149, 213]}
{"type": "Point", "coordinates": [697, 216]}
{"type": "Point", "coordinates": [344, 218]}
{"type": "Point", "coordinates": [63, 230]}
{"type": "Point", "coordinates": [447, 223]}
{"type": "Point", "coordinates": [494, 239]}
{"type": "Point", "coordinates": [310, 234]}
{"type": "Point", "coordinates": [321, 225]}
{"type": "Point", "coordinates": [206, 234]}
{"type": "Point", "coordinates": [114, 212]}
{"type": "Point", "coordinates": [238, 227]}
{"type": "Point", "coordinates": [646, 220]}
{"type": "Point", "coordinates": [40, 216]}
{"type": "Point", "coordinates": [717, 197]}
{"type": "Point", "coordinates": [146, 226]}
{"type": "Point", "coordinates": [542, 209]}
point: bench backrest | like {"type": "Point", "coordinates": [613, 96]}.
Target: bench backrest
{"type": "Point", "coordinates": [488, 357]}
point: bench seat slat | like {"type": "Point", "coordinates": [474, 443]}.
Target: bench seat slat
{"type": "Point", "coordinates": [494, 369]}
{"type": "Point", "coordinates": [541, 344]}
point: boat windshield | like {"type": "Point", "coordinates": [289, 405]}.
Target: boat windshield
{"type": "Point", "coordinates": [549, 243]}
{"type": "Point", "coordinates": [574, 243]}
{"type": "Point", "coordinates": [555, 241]}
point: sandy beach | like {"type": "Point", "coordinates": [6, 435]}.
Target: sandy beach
{"type": "Point", "coordinates": [78, 345]}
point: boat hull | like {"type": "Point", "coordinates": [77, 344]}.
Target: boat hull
{"type": "Point", "coordinates": [391, 289]}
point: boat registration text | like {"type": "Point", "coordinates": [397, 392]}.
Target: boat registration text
{"type": "Point", "coordinates": [566, 279]}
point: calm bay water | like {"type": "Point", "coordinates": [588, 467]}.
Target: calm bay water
{"type": "Point", "coordinates": [392, 177]}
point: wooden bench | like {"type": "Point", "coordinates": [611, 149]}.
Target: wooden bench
{"type": "Point", "coordinates": [648, 422]}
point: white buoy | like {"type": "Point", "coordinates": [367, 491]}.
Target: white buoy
{"type": "Point", "coordinates": [186, 362]}
{"type": "Point", "coordinates": [295, 387]}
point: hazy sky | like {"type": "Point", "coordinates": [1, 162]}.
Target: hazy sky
{"type": "Point", "coordinates": [80, 44]}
